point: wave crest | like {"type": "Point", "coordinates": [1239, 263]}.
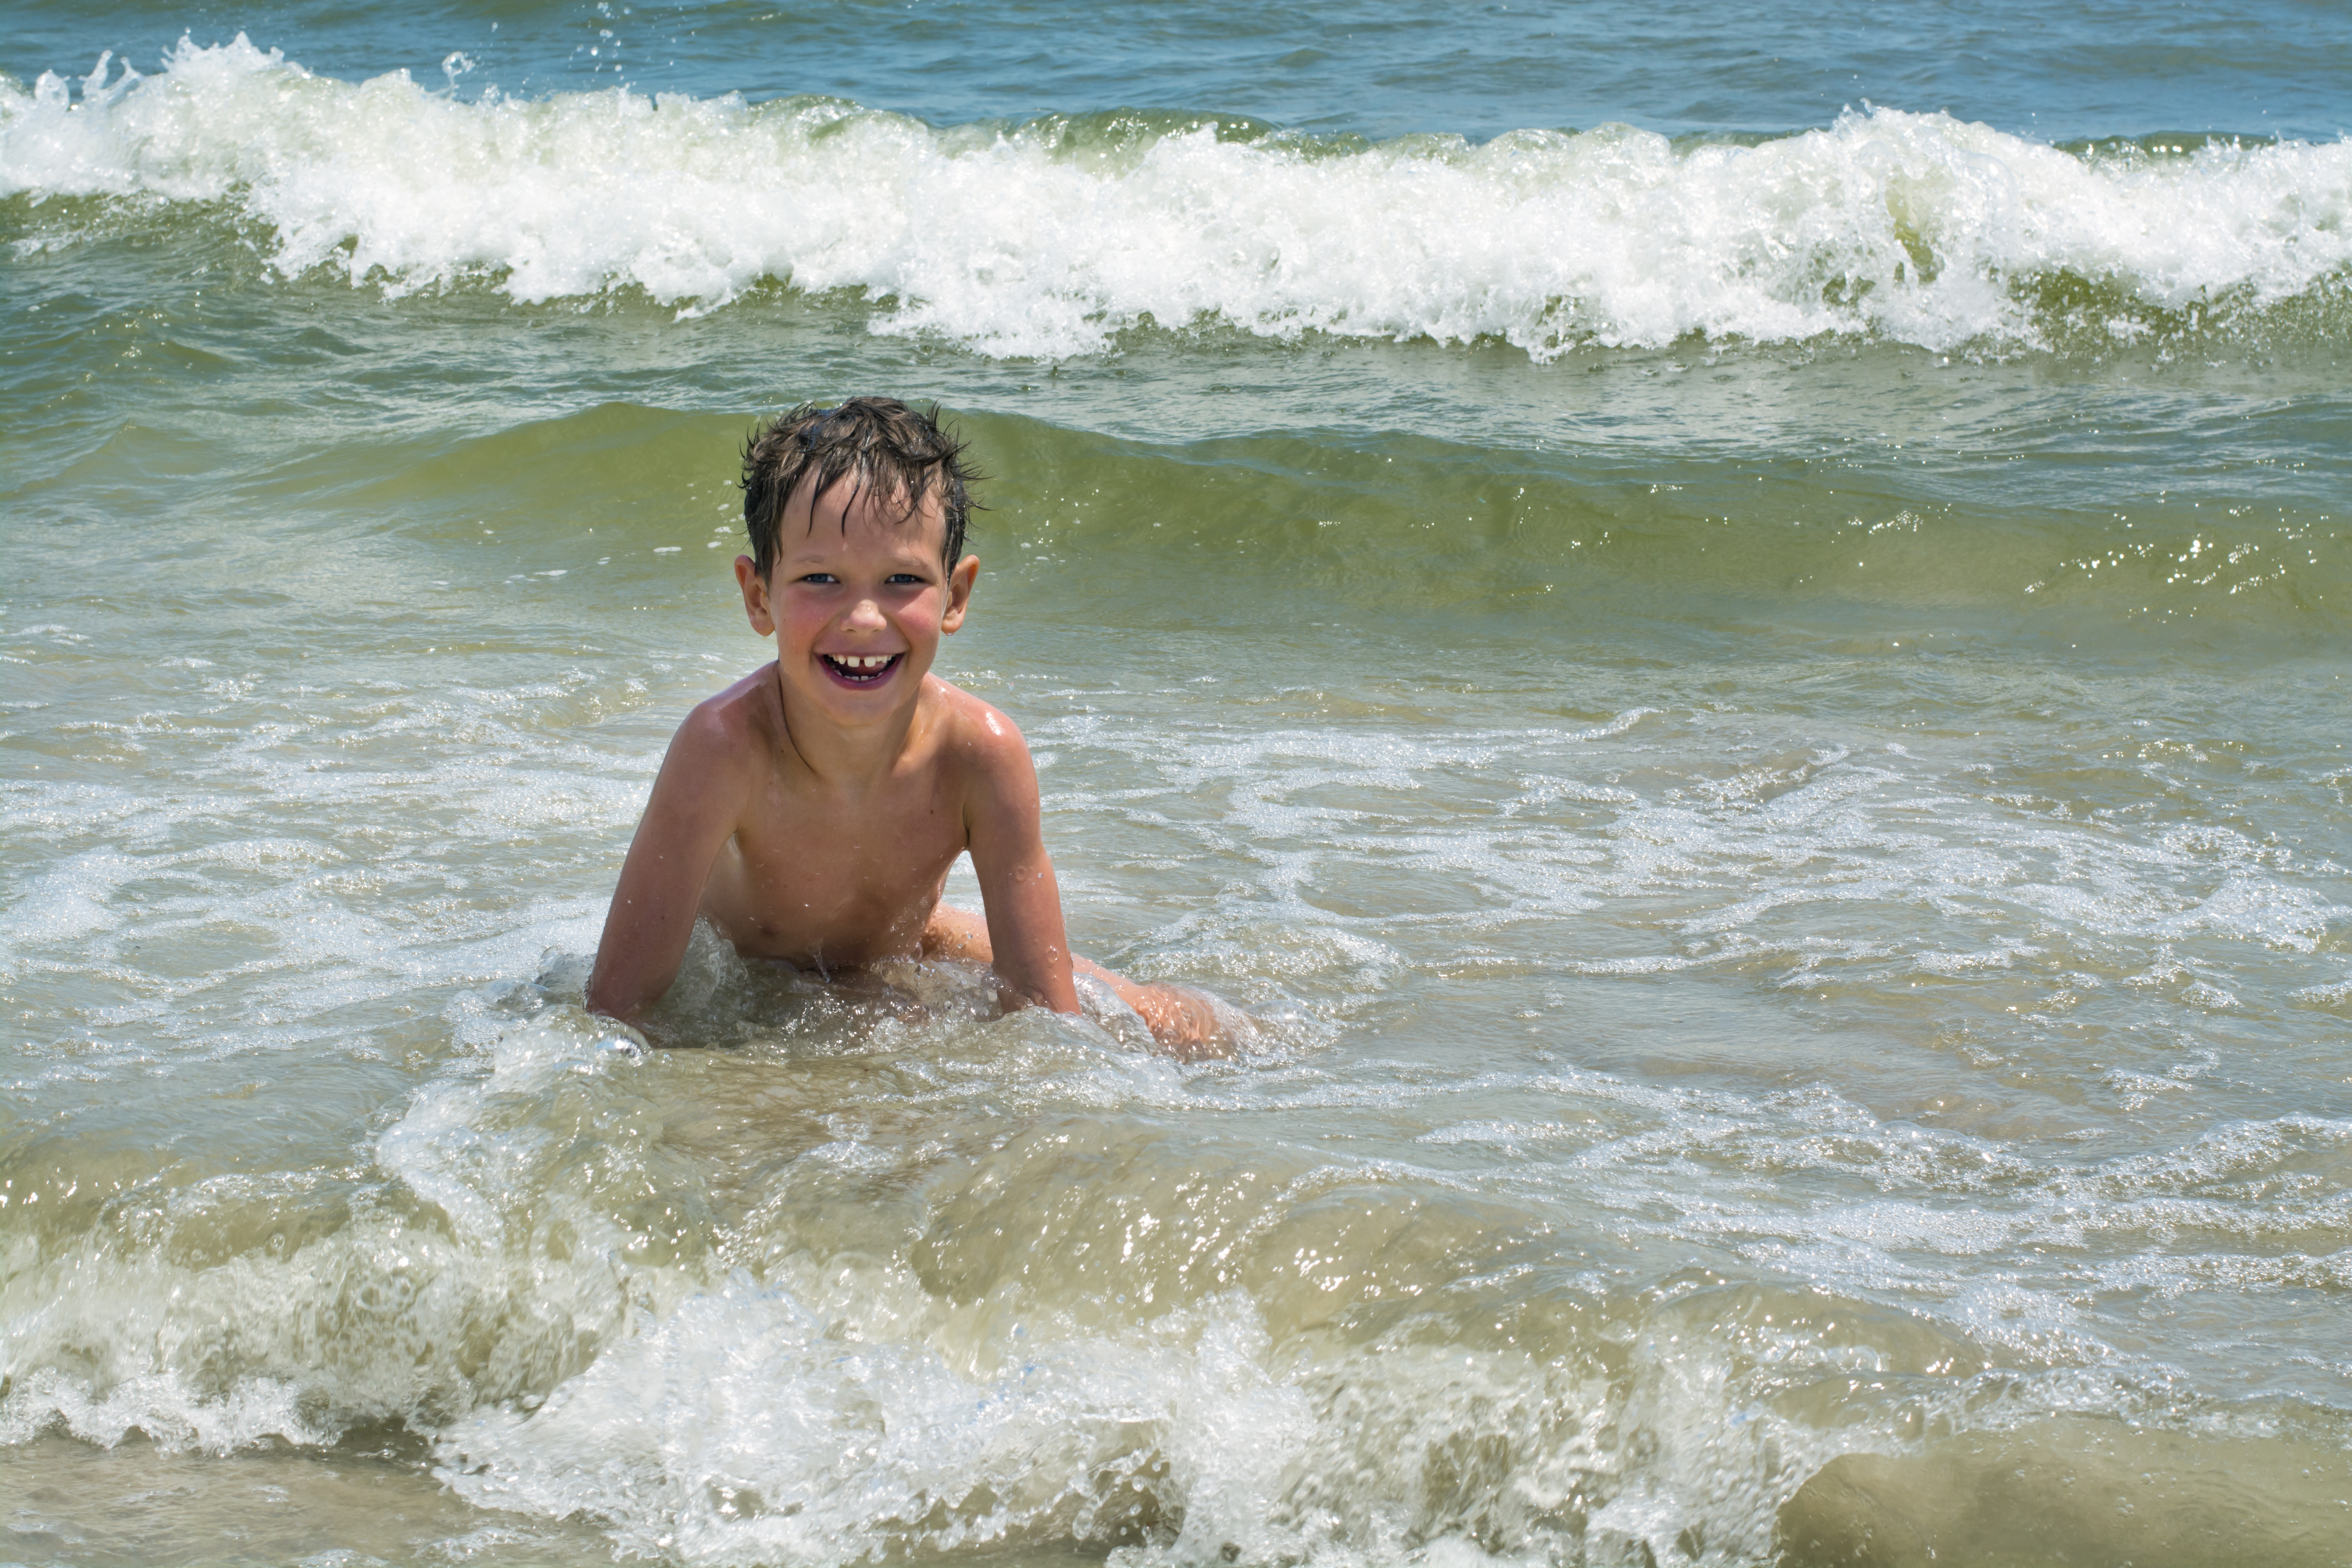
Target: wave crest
{"type": "Point", "coordinates": [1050, 238]}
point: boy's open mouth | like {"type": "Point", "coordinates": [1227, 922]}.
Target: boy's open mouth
{"type": "Point", "coordinates": [861, 668]}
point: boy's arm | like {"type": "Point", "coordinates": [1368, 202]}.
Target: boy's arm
{"type": "Point", "coordinates": [696, 803]}
{"type": "Point", "coordinates": [1030, 952]}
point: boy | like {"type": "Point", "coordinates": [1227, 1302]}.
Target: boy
{"type": "Point", "coordinates": [811, 811]}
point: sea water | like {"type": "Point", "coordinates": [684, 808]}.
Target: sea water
{"type": "Point", "coordinates": [1732, 626]}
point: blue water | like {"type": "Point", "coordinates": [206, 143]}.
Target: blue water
{"type": "Point", "coordinates": [2056, 73]}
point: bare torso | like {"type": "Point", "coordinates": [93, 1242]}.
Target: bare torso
{"type": "Point", "coordinates": [827, 877]}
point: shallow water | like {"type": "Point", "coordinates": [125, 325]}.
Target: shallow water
{"type": "Point", "coordinates": [1748, 675]}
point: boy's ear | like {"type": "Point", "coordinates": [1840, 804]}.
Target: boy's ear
{"type": "Point", "coordinates": [755, 596]}
{"type": "Point", "coordinates": [960, 582]}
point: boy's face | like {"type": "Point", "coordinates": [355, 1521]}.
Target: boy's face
{"type": "Point", "coordinates": [857, 599]}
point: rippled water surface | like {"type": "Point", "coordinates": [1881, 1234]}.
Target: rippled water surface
{"type": "Point", "coordinates": [1736, 639]}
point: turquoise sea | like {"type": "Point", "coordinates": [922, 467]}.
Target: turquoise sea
{"type": "Point", "coordinates": [1733, 625]}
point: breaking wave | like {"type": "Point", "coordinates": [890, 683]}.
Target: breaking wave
{"type": "Point", "coordinates": [1053, 237]}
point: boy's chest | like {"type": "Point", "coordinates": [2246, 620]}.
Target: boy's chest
{"type": "Point", "coordinates": [914, 836]}
{"type": "Point", "coordinates": [806, 874]}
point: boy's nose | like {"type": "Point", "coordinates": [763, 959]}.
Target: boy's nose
{"type": "Point", "coordinates": [865, 617]}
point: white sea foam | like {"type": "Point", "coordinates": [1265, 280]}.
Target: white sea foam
{"type": "Point", "coordinates": [1917, 228]}
{"type": "Point", "coordinates": [848, 1412]}
{"type": "Point", "coordinates": [828, 1401]}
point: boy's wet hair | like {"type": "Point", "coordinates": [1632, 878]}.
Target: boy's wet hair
{"type": "Point", "coordinates": [879, 443]}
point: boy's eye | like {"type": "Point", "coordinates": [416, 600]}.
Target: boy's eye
{"type": "Point", "coordinates": [902, 579]}
{"type": "Point", "coordinates": [819, 578]}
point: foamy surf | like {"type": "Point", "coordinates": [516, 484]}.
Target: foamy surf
{"type": "Point", "coordinates": [910, 1324]}
{"type": "Point", "coordinates": [1052, 238]}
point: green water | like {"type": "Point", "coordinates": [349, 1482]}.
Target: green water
{"type": "Point", "coordinates": [1784, 819]}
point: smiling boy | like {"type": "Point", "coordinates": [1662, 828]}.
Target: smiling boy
{"type": "Point", "coordinates": [812, 811]}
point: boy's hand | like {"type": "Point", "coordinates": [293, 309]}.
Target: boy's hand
{"type": "Point", "coordinates": [1185, 1024]}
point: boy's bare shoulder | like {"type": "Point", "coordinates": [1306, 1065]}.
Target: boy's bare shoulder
{"type": "Point", "coordinates": [736, 725]}
{"type": "Point", "coordinates": [976, 735]}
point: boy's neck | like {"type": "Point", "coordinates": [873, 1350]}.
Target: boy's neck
{"type": "Point", "coordinates": [842, 756]}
